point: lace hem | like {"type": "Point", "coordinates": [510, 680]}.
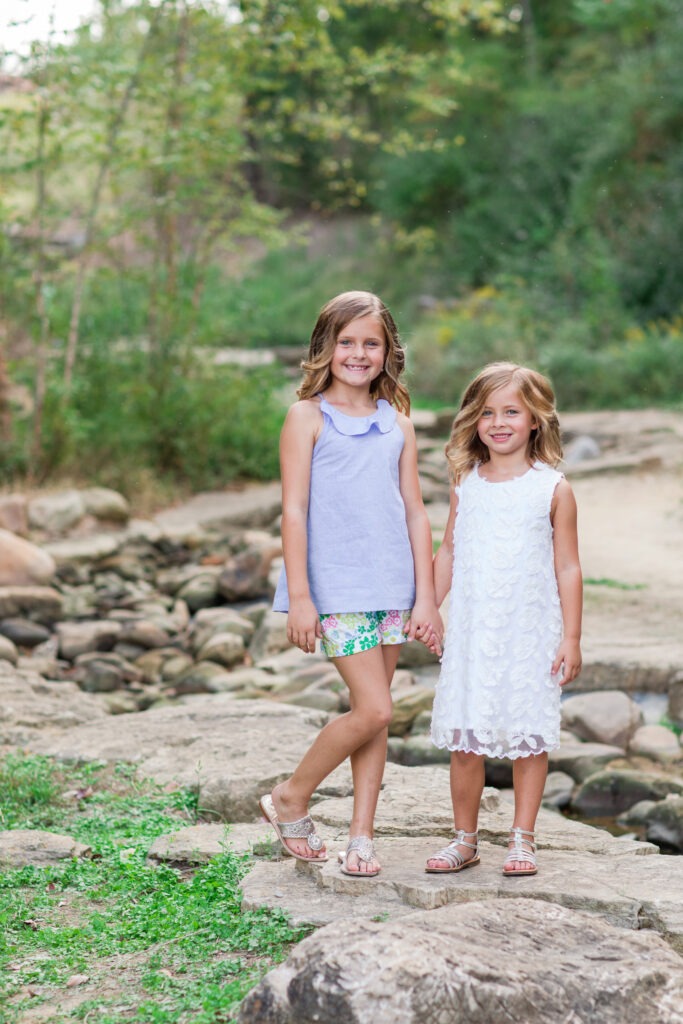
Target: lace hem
{"type": "Point", "coordinates": [510, 748]}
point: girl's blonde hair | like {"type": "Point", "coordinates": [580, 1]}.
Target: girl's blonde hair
{"type": "Point", "coordinates": [333, 318]}
{"type": "Point", "coordinates": [464, 449]}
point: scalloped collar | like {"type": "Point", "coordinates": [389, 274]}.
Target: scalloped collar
{"type": "Point", "coordinates": [384, 417]}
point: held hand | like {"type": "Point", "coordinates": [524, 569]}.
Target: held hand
{"type": "Point", "coordinates": [426, 626]}
{"type": "Point", "coordinates": [303, 625]}
{"type": "Point", "coordinates": [567, 659]}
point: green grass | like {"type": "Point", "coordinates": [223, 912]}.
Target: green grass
{"type": "Point", "coordinates": [606, 581]}
{"type": "Point", "coordinates": [156, 944]}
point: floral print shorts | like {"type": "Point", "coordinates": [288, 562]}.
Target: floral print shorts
{"type": "Point", "coordinates": [351, 632]}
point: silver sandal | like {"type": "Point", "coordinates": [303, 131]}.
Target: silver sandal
{"type": "Point", "coordinates": [521, 850]}
{"type": "Point", "coordinates": [302, 828]}
{"type": "Point", "coordinates": [453, 857]}
{"type": "Point", "coordinates": [363, 846]}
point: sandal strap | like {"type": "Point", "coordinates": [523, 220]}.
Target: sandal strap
{"type": "Point", "coordinates": [452, 855]}
{"type": "Point", "coordinates": [363, 846]}
{"type": "Point", "coordinates": [302, 828]}
{"type": "Point", "coordinates": [522, 849]}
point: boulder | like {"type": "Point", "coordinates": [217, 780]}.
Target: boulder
{"type": "Point", "coordinates": [14, 513]}
{"type": "Point", "coordinates": [23, 564]}
{"type": "Point", "coordinates": [656, 742]}
{"type": "Point", "coordinates": [609, 793]}
{"type": "Point", "coordinates": [664, 823]}
{"type": "Point", "coordinates": [462, 964]}
{"type": "Point", "coordinates": [56, 513]}
{"type": "Point", "coordinates": [608, 717]}
{"type": "Point", "coordinates": [581, 759]}
{"type": "Point", "coordinates": [103, 503]}
{"type": "Point", "coordinates": [558, 790]}
{"type": "Point", "coordinates": [407, 707]}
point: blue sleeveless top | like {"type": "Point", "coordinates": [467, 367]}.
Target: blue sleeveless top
{"type": "Point", "coordinates": [359, 553]}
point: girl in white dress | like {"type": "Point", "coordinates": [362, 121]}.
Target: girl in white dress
{"type": "Point", "coordinates": [510, 560]}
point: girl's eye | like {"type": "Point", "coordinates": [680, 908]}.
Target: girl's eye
{"type": "Point", "coordinates": [486, 412]}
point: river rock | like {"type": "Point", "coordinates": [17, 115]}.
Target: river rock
{"type": "Point", "coordinates": [8, 651]}
{"type": "Point", "coordinates": [23, 564]}
{"type": "Point", "coordinates": [102, 672]}
{"type": "Point", "coordinates": [22, 847]}
{"type": "Point", "coordinates": [581, 759]}
{"type": "Point", "coordinates": [103, 503]}
{"type": "Point", "coordinates": [675, 709]}
{"type": "Point", "coordinates": [42, 604]}
{"type": "Point", "coordinates": [418, 749]}
{"type": "Point", "coordinates": [81, 551]}
{"type": "Point", "coordinates": [14, 513]}
{"type": "Point", "coordinates": [205, 677]}
{"type": "Point", "coordinates": [246, 575]}
{"type": "Point", "coordinates": [23, 632]}
{"type": "Point", "coordinates": [664, 823]}
{"type": "Point", "coordinates": [407, 707]}
{"type": "Point", "coordinates": [558, 789]}
{"type": "Point", "coordinates": [201, 591]}
{"type": "Point", "coordinates": [78, 637]}
{"type": "Point", "coordinates": [224, 648]}
{"type": "Point", "coordinates": [270, 637]}
{"type": "Point", "coordinates": [142, 633]}
{"type": "Point", "coordinates": [609, 793]}
{"type": "Point", "coordinates": [462, 963]}
{"type": "Point", "coordinates": [209, 621]}
{"type": "Point", "coordinates": [56, 513]}
{"type": "Point", "coordinates": [656, 742]}
{"type": "Point", "coordinates": [608, 717]}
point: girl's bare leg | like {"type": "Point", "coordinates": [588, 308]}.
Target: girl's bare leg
{"type": "Point", "coordinates": [528, 778]}
{"type": "Point", "coordinates": [367, 767]}
{"type": "Point", "coordinates": [467, 785]}
{"type": "Point", "coordinates": [366, 677]}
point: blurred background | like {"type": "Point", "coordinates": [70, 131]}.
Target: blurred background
{"type": "Point", "coordinates": [183, 185]}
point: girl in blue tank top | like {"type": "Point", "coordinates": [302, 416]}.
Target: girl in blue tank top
{"type": "Point", "coordinates": [357, 556]}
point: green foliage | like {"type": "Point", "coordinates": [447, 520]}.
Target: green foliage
{"type": "Point", "coordinates": [183, 947]}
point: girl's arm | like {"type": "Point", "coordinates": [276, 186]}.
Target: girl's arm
{"type": "Point", "coordinates": [425, 611]}
{"type": "Point", "coordinates": [569, 580]}
{"type": "Point", "coordinates": [299, 434]}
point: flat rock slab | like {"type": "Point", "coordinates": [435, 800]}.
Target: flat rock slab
{"type": "Point", "coordinates": [632, 892]}
{"type": "Point", "coordinates": [515, 960]}
{"type": "Point", "coordinates": [417, 802]}
{"type": "Point", "coordinates": [229, 751]}
{"type": "Point", "coordinates": [198, 844]}
{"type": "Point", "coordinates": [33, 708]}
{"type": "Point", "coordinates": [24, 847]}
{"type": "Point", "coordinates": [254, 505]}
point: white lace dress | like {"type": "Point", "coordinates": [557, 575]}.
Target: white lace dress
{"type": "Point", "coordinates": [496, 695]}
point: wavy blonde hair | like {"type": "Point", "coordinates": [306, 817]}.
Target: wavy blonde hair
{"type": "Point", "coordinates": [464, 449]}
{"type": "Point", "coordinates": [332, 319]}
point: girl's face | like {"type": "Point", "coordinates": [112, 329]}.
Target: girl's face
{"type": "Point", "coordinates": [505, 423]}
{"type": "Point", "coordinates": [359, 351]}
